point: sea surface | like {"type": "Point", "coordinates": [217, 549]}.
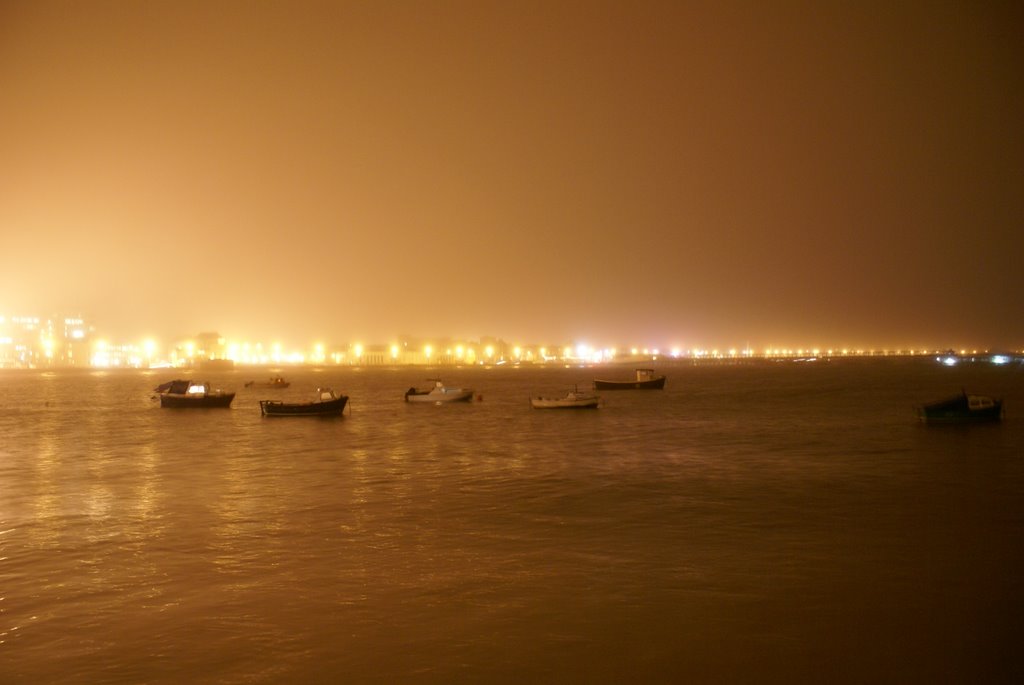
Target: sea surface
{"type": "Point", "coordinates": [756, 523]}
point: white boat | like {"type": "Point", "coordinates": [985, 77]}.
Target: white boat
{"type": "Point", "coordinates": [438, 394]}
{"type": "Point", "coordinates": [573, 400]}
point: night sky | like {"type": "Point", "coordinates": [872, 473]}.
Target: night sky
{"type": "Point", "coordinates": [701, 174]}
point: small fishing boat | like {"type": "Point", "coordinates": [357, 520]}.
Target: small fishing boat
{"type": "Point", "coordinates": [327, 403]}
{"type": "Point", "coordinates": [438, 394]}
{"type": "Point", "coordinates": [273, 382]}
{"type": "Point", "coordinates": [573, 400]}
{"type": "Point", "coordinates": [186, 394]}
{"type": "Point", "coordinates": [962, 408]}
{"type": "Point", "coordinates": [645, 380]}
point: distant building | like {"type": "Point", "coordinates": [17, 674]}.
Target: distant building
{"type": "Point", "coordinates": [210, 345]}
{"type": "Point", "coordinates": [34, 342]}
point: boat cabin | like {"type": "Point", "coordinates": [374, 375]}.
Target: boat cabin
{"type": "Point", "coordinates": [977, 402]}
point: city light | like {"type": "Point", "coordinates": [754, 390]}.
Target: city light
{"type": "Point", "coordinates": [29, 342]}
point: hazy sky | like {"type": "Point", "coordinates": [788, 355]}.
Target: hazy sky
{"type": "Point", "coordinates": [832, 173]}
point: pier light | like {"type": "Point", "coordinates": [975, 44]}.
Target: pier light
{"type": "Point", "coordinates": [394, 351]}
{"type": "Point", "coordinates": [427, 351]}
{"type": "Point", "coordinates": [357, 349]}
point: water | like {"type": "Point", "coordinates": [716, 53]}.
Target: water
{"type": "Point", "coordinates": [762, 523]}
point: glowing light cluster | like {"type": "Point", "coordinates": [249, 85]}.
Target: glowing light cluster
{"type": "Point", "coordinates": [27, 341]}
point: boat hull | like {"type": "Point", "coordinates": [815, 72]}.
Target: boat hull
{"type": "Point", "coordinates": [325, 408]}
{"type": "Point", "coordinates": [651, 384]}
{"type": "Point", "coordinates": [440, 397]}
{"type": "Point", "coordinates": [562, 403]}
{"type": "Point", "coordinates": [192, 401]}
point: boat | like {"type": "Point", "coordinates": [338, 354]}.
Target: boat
{"type": "Point", "coordinates": [182, 394]}
{"type": "Point", "coordinates": [327, 403]}
{"type": "Point", "coordinates": [962, 408]}
{"type": "Point", "coordinates": [645, 380]}
{"type": "Point", "coordinates": [273, 382]}
{"type": "Point", "coordinates": [438, 394]}
{"type": "Point", "coordinates": [574, 399]}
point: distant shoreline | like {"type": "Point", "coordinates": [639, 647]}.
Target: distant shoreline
{"type": "Point", "coordinates": [633, 362]}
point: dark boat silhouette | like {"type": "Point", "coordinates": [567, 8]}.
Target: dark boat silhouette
{"type": "Point", "coordinates": [186, 394]}
{"type": "Point", "coordinates": [327, 403]}
{"type": "Point", "coordinates": [645, 380]}
{"type": "Point", "coordinates": [965, 407]}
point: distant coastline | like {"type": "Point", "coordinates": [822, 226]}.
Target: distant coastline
{"type": "Point", "coordinates": [222, 366]}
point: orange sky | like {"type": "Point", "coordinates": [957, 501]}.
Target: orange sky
{"type": "Point", "coordinates": [701, 173]}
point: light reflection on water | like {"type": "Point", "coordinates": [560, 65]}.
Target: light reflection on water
{"type": "Point", "coordinates": [745, 524]}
